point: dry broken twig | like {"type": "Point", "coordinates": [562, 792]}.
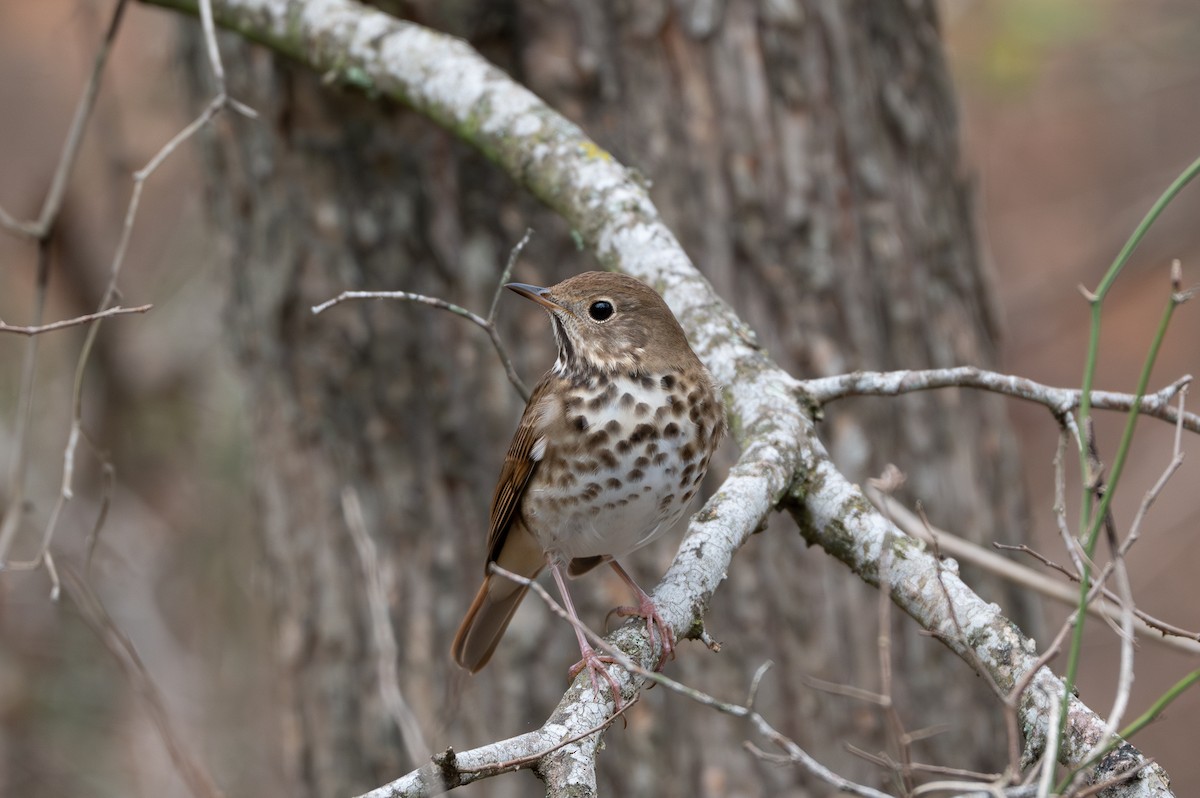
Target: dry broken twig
{"type": "Point", "coordinates": [488, 325]}
{"type": "Point", "coordinates": [116, 310]}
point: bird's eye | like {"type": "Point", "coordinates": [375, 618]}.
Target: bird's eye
{"type": "Point", "coordinates": [601, 311]}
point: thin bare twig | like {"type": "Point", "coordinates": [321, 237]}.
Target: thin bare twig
{"type": "Point", "coordinates": [1023, 548]}
{"type": "Point", "coordinates": [1060, 493]}
{"type": "Point", "coordinates": [92, 610]}
{"type": "Point", "coordinates": [386, 650]}
{"type": "Point", "coordinates": [488, 325]}
{"type": "Point", "coordinates": [967, 789]}
{"type": "Point", "coordinates": [1046, 778]}
{"type": "Point", "coordinates": [931, 536]}
{"type": "Point", "coordinates": [506, 275]}
{"type": "Point", "coordinates": [93, 539]}
{"type": "Point", "coordinates": [965, 551]}
{"type": "Point", "coordinates": [117, 310]}
{"type": "Point", "coordinates": [1135, 527]}
{"type": "Point", "coordinates": [1125, 671]}
{"type": "Point", "coordinates": [849, 691]}
{"type": "Point", "coordinates": [66, 491]}
{"type": "Point", "coordinates": [41, 229]}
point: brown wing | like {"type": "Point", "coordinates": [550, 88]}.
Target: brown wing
{"type": "Point", "coordinates": [519, 466]}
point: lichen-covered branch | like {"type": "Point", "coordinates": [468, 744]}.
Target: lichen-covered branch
{"type": "Point", "coordinates": [782, 464]}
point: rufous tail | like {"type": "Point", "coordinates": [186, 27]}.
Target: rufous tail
{"type": "Point", "coordinates": [489, 615]}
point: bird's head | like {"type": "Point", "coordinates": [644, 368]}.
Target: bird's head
{"type": "Point", "coordinates": [609, 322]}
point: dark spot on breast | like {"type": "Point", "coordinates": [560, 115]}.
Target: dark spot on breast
{"type": "Point", "coordinates": [667, 382]}
{"type": "Point", "coordinates": [665, 501]}
{"type": "Point", "coordinates": [642, 408]}
{"type": "Point", "coordinates": [627, 400]}
{"type": "Point", "coordinates": [623, 502]}
{"type": "Point", "coordinates": [591, 490]}
{"type": "Point", "coordinates": [677, 407]}
{"type": "Point", "coordinates": [687, 473]}
{"type": "Point", "coordinates": [572, 401]}
{"type": "Point", "coordinates": [580, 423]}
{"type": "Point", "coordinates": [613, 426]}
{"type": "Point", "coordinates": [566, 478]}
{"type": "Point", "coordinates": [687, 497]}
{"type": "Point", "coordinates": [647, 382]}
{"type": "Point", "coordinates": [688, 452]}
{"type": "Point", "coordinates": [651, 447]}
{"type": "Point", "coordinates": [613, 483]}
{"type": "Point", "coordinates": [662, 412]}
{"type": "Point", "coordinates": [645, 432]}
{"type": "Point", "coordinates": [660, 458]}
{"type": "Point", "coordinates": [597, 439]}
{"type": "Point", "coordinates": [694, 397]}
{"type": "Point", "coordinates": [641, 462]}
{"type": "Point", "coordinates": [646, 489]}
{"type": "Point", "coordinates": [607, 458]}
{"type": "Point", "coordinates": [602, 398]}
{"type": "Point", "coordinates": [635, 475]}
{"type": "Point", "coordinates": [671, 430]}
{"type": "Point", "coordinates": [623, 447]}
{"type": "Point", "coordinates": [586, 466]}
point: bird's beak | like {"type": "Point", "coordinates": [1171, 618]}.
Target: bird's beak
{"type": "Point", "coordinates": [538, 295]}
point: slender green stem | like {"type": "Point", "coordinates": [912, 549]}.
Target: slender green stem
{"type": "Point", "coordinates": [1093, 532]}
{"type": "Point", "coordinates": [1130, 424]}
{"type": "Point", "coordinates": [1162, 703]}
{"type": "Point", "coordinates": [1097, 300]}
{"type": "Point", "coordinates": [1089, 523]}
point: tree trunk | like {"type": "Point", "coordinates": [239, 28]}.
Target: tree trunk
{"type": "Point", "coordinates": [806, 155]}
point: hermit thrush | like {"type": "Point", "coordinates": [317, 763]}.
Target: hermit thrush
{"type": "Point", "coordinates": [611, 448]}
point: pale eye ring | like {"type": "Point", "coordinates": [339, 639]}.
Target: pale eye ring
{"type": "Point", "coordinates": [601, 310]}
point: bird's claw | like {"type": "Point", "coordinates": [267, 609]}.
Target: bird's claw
{"type": "Point", "coordinates": [654, 625]}
{"type": "Point", "coordinates": [596, 664]}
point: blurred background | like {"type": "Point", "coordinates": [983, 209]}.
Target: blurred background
{"type": "Point", "coordinates": [1075, 114]}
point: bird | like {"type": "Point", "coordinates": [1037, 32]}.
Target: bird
{"type": "Point", "coordinates": [613, 444]}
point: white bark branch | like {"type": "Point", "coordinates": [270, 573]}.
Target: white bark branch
{"type": "Point", "coordinates": [782, 464]}
{"type": "Point", "coordinates": [1059, 401]}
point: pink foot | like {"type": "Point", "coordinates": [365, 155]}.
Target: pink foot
{"type": "Point", "coordinates": [595, 664]}
{"type": "Point", "coordinates": [646, 609]}
{"type": "Point", "coordinates": [654, 625]}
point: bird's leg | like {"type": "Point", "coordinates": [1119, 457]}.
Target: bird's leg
{"type": "Point", "coordinates": [595, 663]}
{"type": "Point", "coordinates": [646, 609]}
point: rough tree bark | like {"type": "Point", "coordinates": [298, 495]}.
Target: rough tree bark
{"type": "Point", "coordinates": [805, 153]}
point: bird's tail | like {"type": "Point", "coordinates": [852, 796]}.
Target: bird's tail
{"type": "Point", "coordinates": [496, 602]}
